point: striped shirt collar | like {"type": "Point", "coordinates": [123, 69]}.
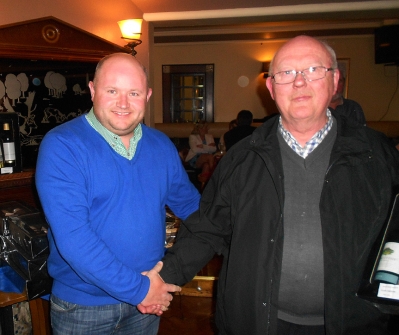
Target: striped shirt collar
{"type": "Point", "coordinates": [114, 140]}
{"type": "Point", "coordinates": [312, 143]}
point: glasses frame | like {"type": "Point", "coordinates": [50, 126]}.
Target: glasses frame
{"type": "Point", "coordinates": [303, 74]}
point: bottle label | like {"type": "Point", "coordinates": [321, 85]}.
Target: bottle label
{"type": "Point", "coordinates": [6, 170]}
{"type": "Point", "coordinates": [388, 291]}
{"type": "Point", "coordinates": [390, 258]}
{"type": "Point", "coordinates": [9, 151]}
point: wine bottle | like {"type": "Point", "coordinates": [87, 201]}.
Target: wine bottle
{"type": "Point", "coordinates": [379, 283]}
{"type": "Point", "coordinates": [8, 146]}
{"type": "Point", "coordinates": [388, 266]}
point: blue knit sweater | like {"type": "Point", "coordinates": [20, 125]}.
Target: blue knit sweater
{"type": "Point", "coordinates": [107, 213]}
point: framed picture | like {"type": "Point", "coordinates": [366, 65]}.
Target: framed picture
{"type": "Point", "coordinates": [343, 67]}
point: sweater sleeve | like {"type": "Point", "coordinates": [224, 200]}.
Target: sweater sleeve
{"type": "Point", "coordinates": [62, 183]}
{"type": "Point", "coordinates": [183, 198]}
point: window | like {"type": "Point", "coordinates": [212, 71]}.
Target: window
{"type": "Point", "coordinates": [187, 93]}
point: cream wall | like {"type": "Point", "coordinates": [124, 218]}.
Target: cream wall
{"type": "Point", "coordinates": [373, 86]}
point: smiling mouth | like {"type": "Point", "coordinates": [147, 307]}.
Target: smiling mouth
{"type": "Point", "coordinates": [122, 113]}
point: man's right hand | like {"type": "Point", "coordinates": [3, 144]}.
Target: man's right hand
{"type": "Point", "coordinates": [159, 295]}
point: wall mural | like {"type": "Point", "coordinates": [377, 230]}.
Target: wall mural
{"type": "Point", "coordinates": [43, 94]}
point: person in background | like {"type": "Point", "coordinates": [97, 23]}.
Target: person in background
{"type": "Point", "coordinates": [242, 130]}
{"type": "Point", "coordinates": [222, 144]}
{"type": "Point", "coordinates": [103, 180]}
{"type": "Point", "coordinates": [202, 148]}
{"type": "Point", "coordinates": [232, 124]}
{"type": "Point", "coordinates": [350, 108]}
{"type": "Point", "coordinates": [294, 211]}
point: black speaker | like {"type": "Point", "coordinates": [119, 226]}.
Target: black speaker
{"type": "Point", "coordinates": [386, 45]}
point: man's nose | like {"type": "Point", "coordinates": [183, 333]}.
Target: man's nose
{"type": "Point", "coordinates": [300, 79]}
{"type": "Point", "coordinates": [123, 101]}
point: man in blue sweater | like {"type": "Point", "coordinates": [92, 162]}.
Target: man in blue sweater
{"type": "Point", "coordinates": [103, 180]}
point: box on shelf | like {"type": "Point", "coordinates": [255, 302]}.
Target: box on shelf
{"type": "Point", "coordinates": [12, 209]}
{"type": "Point", "coordinates": [28, 233]}
{"type": "Point", "coordinates": [24, 246]}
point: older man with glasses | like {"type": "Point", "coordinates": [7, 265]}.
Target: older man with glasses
{"type": "Point", "coordinates": [294, 209]}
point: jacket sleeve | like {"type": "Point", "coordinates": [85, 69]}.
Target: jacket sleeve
{"type": "Point", "coordinates": [202, 234]}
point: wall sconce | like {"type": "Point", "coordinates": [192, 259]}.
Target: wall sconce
{"type": "Point", "coordinates": [131, 32]}
{"type": "Point", "coordinates": [265, 69]}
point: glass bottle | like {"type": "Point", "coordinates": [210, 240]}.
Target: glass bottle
{"type": "Point", "coordinates": [8, 146]}
{"type": "Point", "coordinates": [388, 266]}
{"type": "Point", "coordinates": [380, 279]}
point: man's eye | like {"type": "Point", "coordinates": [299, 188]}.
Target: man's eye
{"type": "Point", "coordinates": [312, 69]}
{"type": "Point", "coordinates": [111, 91]}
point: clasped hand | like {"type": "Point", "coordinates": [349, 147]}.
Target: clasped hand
{"type": "Point", "coordinates": [159, 294]}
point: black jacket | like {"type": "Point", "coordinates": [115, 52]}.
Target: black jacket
{"type": "Point", "coordinates": [241, 217]}
{"type": "Point", "coordinates": [352, 110]}
{"type": "Point", "coordinates": [236, 134]}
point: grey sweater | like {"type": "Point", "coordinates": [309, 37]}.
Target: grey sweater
{"type": "Point", "coordinates": [301, 296]}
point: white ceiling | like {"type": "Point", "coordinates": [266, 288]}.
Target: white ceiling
{"type": "Point", "coordinates": [197, 19]}
{"type": "Point", "coordinates": [162, 6]}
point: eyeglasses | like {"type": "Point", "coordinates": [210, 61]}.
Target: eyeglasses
{"type": "Point", "coordinates": [310, 74]}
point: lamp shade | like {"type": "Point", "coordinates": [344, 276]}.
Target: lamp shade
{"type": "Point", "coordinates": [131, 29]}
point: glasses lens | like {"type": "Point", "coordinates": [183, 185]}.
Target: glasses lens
{"type": "Point", "coordinates": [284, 77]}
{"type": "Point", "coordinates": [315, 73]}
{"type": "Point", "coordinates": [310, 74]}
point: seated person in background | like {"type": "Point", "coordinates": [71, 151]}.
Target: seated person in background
{"type": "Point", "coordinates": [242, 130]}
{"type": "Point", "coordinates": [202, 147]}
{"type": "Point", "coordinates": [222, 146]}
{"type": "Point", "coordinates": [232, 124]}
{"type": "Point", "coordinates": [351, 109]}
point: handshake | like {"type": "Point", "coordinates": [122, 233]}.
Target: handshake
{"type": "Point", "coordinates": [159, 294]}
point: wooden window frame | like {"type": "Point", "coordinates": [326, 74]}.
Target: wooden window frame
{"type": "Point", "coordinates": [189, 69]}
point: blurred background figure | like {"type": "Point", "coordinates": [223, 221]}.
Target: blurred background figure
{"type": "Point", "coordinates": [242, 130]}
{"type": "Point", "coordinates": [222, 145]}
{"type": "Point", "coordinates": [202, 147]}
{"type": "Point", "coordinates": [232, 124]}
{"type": "Point", "coordinates": [350, 108]}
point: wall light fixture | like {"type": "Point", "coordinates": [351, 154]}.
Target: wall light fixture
{"type": "Point", "coordinates": [131, 32]}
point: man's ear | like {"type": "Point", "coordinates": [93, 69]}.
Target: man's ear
{"type": "Point", "coordinates": [91, 87]}
{"type": "Point", "coordinates": [269, 86]}
{"type": "Point", "coordinates": [149, 92]}
{"type": "Point", "coordinates": [336, 79]}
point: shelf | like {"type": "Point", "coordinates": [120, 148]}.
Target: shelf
{"type": "Point", "coordinates": [16, 179]}
{"type": "Point", "coordinates": [7, 299]}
